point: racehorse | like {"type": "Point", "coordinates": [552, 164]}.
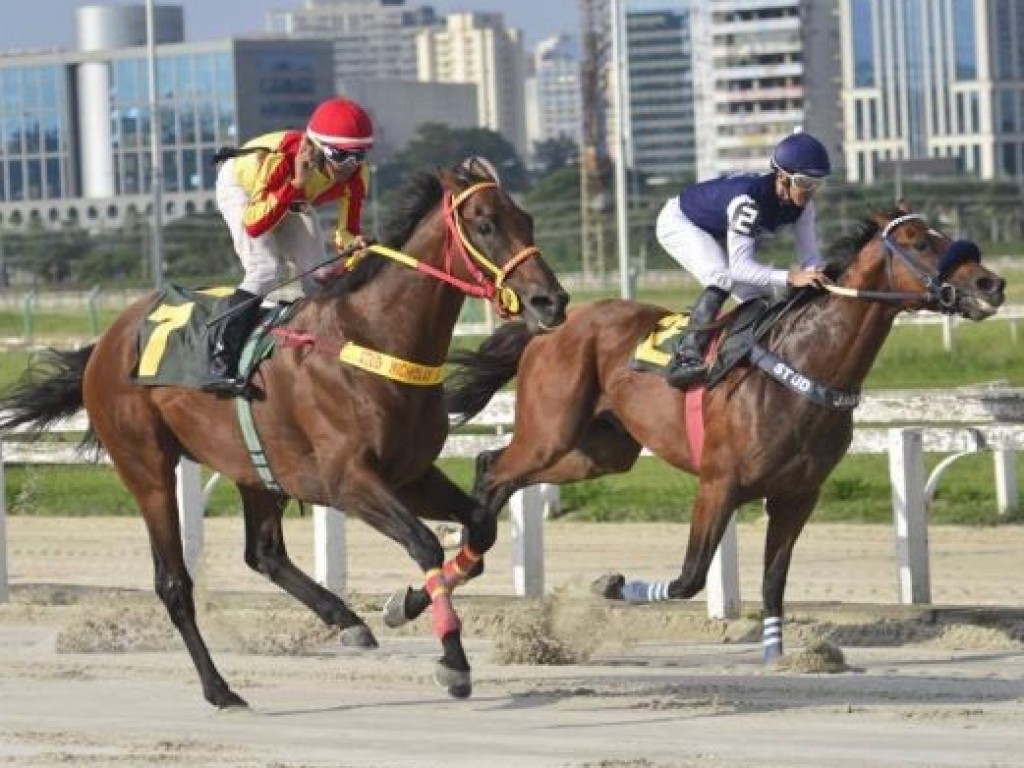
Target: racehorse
{"type": "Point", "coordinates": [337, 430]}
{"type": "Point", "coordinates": [582, 412]}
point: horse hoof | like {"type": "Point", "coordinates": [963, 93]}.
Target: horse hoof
{"type": "Point", "coordinates": [394, 609]}
{"type": "Point", "coordinates": [228, 700]}
{"type": "Point", "coordinates": [456, 681]}
{"type": "Point", "coordinates": [357, 636]}
{"type": "Point", "coordinates": [609, 586]}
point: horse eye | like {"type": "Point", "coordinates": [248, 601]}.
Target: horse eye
{"type": "Point", "coordinates": [921, 244]}
{"type": "Point", "coordinates": [484, 228]}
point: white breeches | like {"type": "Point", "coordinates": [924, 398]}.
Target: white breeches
{"type": "Point", "coordinates": [698, 252]}
{"type": "Point", "coordinates": [298, 238]}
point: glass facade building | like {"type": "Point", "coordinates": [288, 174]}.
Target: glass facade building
{"type": "Point", "coordinates": [933, 80]}
{"type": "Point", "coordinates": [76, 125]}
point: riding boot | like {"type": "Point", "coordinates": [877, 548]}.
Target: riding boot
{"type": "Point", "coordinates": [229, 339]}
{"type": "Point", "coordinates": [687, 366]}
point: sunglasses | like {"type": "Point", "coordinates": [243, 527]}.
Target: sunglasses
{"type": "Point", "coordinates": [802, 181]}
{"type": "Point", "coordinates": [342, 158]}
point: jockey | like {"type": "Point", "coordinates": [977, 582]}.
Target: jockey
{"type": "Point", "coordinates": [266, 192]}
{"type": "Point", "coordinates": [712, 229]}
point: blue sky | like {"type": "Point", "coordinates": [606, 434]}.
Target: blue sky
{"type": "Point", "coordinates": [50, 23]}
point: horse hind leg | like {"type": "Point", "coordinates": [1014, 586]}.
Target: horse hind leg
{"type": "Point", "coordinates": [265, 553]}
{"type": "Point", "coordinates": [148, 472]}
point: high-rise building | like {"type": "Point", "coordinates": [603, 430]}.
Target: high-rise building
{"type": "Point", "coordinates": [75, 126]}
{"type": "Point", "coordinates": [373, 39]}
{"type": "Point", "coordinates": [478, 48]}
{"type": "Point", "coordinates": [554, 98]}
{"type": "Point", "coordinates": [660, 109]}
{"type": "Point", "coordinates": [767, 60]}
{"type": "Point", "coordinates": [938, 85]}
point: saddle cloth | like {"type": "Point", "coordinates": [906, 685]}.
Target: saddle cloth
{"type": "Point", "coordinates": [174, 342]}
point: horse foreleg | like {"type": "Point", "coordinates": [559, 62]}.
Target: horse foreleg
{"type": "Point", "coordinates": [712, 509]}
{"type": "Point", "coordinates": [365, 494]}
{"type": "Point", "coordinates": [786, 518]}
{"type": "Point", "coordinates": [435, 496]}
{"type": "Point", "coordinates": [265, 553]}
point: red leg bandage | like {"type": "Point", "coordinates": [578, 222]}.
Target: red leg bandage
{"type": "Point", "coordinates": [456, 570]}
{"type": "Point", "coordinates": [445, 619]}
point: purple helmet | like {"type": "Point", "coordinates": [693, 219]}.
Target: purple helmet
{"type": "Point", "coordinates": [802, 153]}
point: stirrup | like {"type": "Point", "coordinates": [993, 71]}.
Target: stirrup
{"type": "Point", "coordinates": [227, 387]}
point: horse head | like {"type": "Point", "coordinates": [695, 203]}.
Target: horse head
{"type": "Point", "coordinates": [915, 266]}
{"type": "Point", "coordinates": [495, 238]}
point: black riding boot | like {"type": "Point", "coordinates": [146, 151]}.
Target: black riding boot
{"type": "Point", "coordinates": [228, 341]}
{"type": "Point", "coordinates": [687, 366]}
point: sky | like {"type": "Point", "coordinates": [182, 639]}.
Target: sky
{"type": "Point", "coordinates": [51, 23]}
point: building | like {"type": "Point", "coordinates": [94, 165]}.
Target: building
{"type": "Point", "coordinates": [373, 39]}
{"type": "Point", "coordinates": [762, 63]}
{"type": "Point", "coordinates": [933, 83]}
{"type": "Point", "coordinates": [553, 94]}
{"type": "Point", "coordinates": [661, 111]}
{"type": "Point", "coordinates": [76, 125]}
{"type": "Point", "coordinates": [477, 48]}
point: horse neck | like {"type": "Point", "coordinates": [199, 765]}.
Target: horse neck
{"type": "Point", "coordinates": [405, 312]}
{"type": "Point", "coordinates": [836, 341]}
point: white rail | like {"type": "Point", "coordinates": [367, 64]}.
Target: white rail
{"type": "Point", "coordinates": [905, 425]}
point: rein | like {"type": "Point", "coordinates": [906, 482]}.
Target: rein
{"type": "Point", "coordinates": [458, 243]}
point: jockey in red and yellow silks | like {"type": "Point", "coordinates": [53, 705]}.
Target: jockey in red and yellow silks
{"type": "Point", "coordinates": [267, 192]}
{"type": "Point", "coordinates": [266, 179]}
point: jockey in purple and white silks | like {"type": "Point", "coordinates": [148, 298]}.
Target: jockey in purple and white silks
{"type": "Point", "coordinates": [713, 228]}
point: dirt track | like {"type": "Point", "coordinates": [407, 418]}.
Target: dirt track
{"type": "Point", "coordinates": [663, 687]}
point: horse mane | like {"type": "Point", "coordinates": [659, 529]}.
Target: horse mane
{"type": "Point", "coordinates": [420, 194]}
{"type": "Point", "coordinates": [842, 251]}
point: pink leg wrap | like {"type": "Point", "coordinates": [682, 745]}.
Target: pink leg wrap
{"type": "Point", "coordinates": [457, 569]}
{"type": "Point", "coordinates": [445, 619]}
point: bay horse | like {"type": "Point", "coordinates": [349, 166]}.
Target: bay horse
{"type": "Point", "coordinates": [333, 433]}
{"type": "Point", "coordinates": [582, 412]}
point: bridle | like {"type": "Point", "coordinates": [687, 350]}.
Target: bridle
{"type": "Point", "coordinates": [457, 243]}
{"type": "Point", "coordinates": [938, 295]}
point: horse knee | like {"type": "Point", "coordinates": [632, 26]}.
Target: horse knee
{"type": "Point", "coordinates": [482, 532]}
{"type": "Point", "coordinates": [264, 560]}
{"type": "Point", "coordinates": [175, 592]}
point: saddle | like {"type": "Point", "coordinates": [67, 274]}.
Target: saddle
{"type": "Point", "coordinates": [737, 334]}
{"type": "Point", "coordinates": [175, 344]}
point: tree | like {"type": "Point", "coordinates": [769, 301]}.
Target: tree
{"type": "Point", "coordinates": [554, 154]}
{"type": "Point", "coordinates": [438, 146]}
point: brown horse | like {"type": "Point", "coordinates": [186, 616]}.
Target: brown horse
{"type": "Point", "coordinates": [581, 412]}
{"type": "Point", "coordinates": [334, 433]}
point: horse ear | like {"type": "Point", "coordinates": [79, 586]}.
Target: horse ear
{"type": "Point", "coordinates": [902, 205]}
{"type": "Point", "coordinates": [451, 180]}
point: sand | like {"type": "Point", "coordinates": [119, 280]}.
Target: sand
{"type": "Point", "coordinates": [91, 673]}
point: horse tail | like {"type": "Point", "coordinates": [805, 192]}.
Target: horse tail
{"type": "Point", "coordinates": [49, 390]}
{"type": "Point", "coordinates": [478, 375]}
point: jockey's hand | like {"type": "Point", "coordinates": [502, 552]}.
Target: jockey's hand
{"type": "Point", "coordinates": [802, 278]}
{"type": "Point", "coordinates": [356, 244]}
{"type": "Point", "coordinates": [305, 163]}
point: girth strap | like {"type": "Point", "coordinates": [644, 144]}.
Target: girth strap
{"type": "Point", "coordinates": [259, 346]}
{"type": "Point", "coordinates": [817, 393]}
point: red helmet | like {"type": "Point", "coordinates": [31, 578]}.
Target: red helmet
{"type": "Point", "coordinates": [342, 124]}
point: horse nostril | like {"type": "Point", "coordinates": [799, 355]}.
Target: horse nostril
{"type": "Point", "coordinates": [991, 285]}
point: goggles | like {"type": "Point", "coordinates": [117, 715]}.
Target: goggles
{"type": "Point", "coordinates": [802, 181]}
{"type": "Point", "coordinates": [341, 158]}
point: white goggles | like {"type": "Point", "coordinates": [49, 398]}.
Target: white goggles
{"type": "Point", "coordinates": [802, 181]}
